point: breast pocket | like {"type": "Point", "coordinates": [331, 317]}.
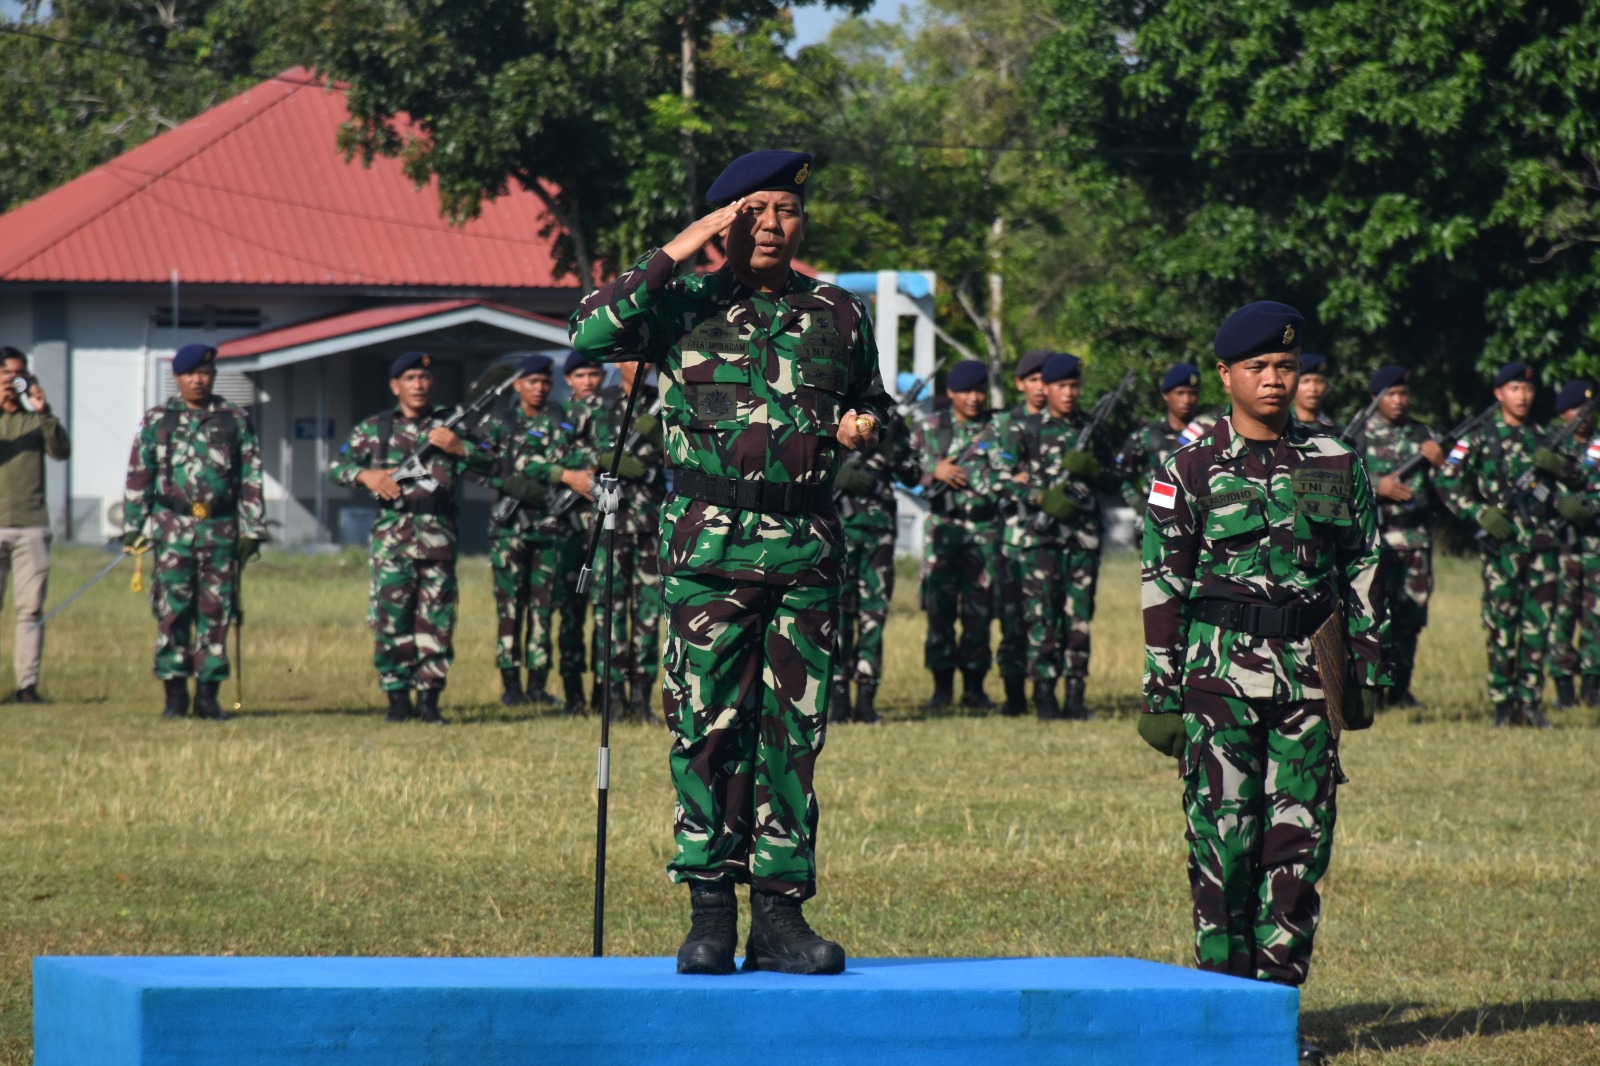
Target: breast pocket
{"type": "Point", "coordinates": [1233, 530]}
{"type": "Point", "coordinates": [716, 390]}
{"type": "Point", "coordinates": [820, 386]}
{"type": "Point", "coordinates": [1321, 523]}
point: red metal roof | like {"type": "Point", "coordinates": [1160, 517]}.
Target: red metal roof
{"type": "Point", "coordinates": [358, 321]}
{"type": "Point", "coordinates": [256, 192]}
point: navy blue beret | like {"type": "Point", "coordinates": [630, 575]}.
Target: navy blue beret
{"type": "Point", "coordinates": [1032, 362]}
{"type": "Point", "coordinates": [1062, 367]}
{"type": "Point", "coordinates": [1513, 372]}
{"type": "Point", "coordinates": [1182, 374]}
{"type": "Point", "coordinates": [534, 364]}
{"type": "Point", "coordinates": [1258, 328]}
{"type": "Point", "coordinates": [1388, 377]}
{"type": "Point", "coordinates": [1574, 394]}
{"type": "Point", "coordinates": [769, 168]}
{"type": "Point", "coordinates": [576, 361]}
{"type": "Point", "coordinates": [192, 357]}
{"type": "Point", "coordinates": [409, 360]}
{"type": "Point", "coordinates": [1313, 364]}
{"type": "Point", "coordinates": [967, 375]}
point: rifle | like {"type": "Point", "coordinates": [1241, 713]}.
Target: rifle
{"type": "Point", "coordinates": [1099, 415]}
{"type": "Point", "coordinates": [875, 461]}
{"type": "Point", "coordinates": [565, 498]}
{"type": "Point", "coordinates": [1361, 420]}
{"type": "Point", "coordinates": [1529, 482]}
{"type": "Point", "coordinates": [1413, 464]}
{"type": "Point", "coordinates": [414, 469]}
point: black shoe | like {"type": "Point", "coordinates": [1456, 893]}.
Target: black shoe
{"type": "Point", "coordinates": [1044, 701]}
{"type": "Point", "coordinates": [511, 694]}
{"type": "Point", "coordinates": [1076, 709]}
{"type": "Point", "coordinates": [616, 695]}
{"type": "Point", "coordinates": [537, 695]}
{"type": "Point", "coordinates": [1311, 1053]}
{"type": "Point", "coordinates": [781, 940]}
{"type": "Point", "coordinates": [1590, 692]}
{"type": "Point", "coordinates": [1566, 693]}
{"type": "Point", "coordinates": [27, 694]}
{"type": "Point", "coordinates": [1533, 717]}
{"type": "Point", "coordinates": [713, 930]}
{"type": "Point", "coordinates": [1016, 697]}
{"type": "Point", "coordinates": [1402, 699]}
{"type": "Point", "coordinates": [177, 698]}
{"type": "Point", "coordinates": [1505, 714]}
{"type": "Point", "coordinates": [428, 706]}
{"type": "Point", "coordinates": [205, 702]}
{"type": "Point", "coordinates": [839, 709]}
{"type": "Point", "coordinates": [642, 712]}
{"type": "Point", "coordinates": [866, 710]}
{"type": "Point", "coordinates": [399, 706]}
{"type": "Point", "coordinates": [944, 682]}
{"type": "Point", "coordinates": [576, 705]}
{"type": "Point", "coordinates": [972, 695]}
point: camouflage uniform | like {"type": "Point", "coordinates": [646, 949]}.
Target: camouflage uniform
{"type": "Point", "coordinates": [1013, 653]}
{"type": "Point", "coordinates": [1406, 541]}
{"type": "Point", "coordinates": [961, 543]}
{"type": "Point", "coordinates": [869, 521]}
{"type": "Point", "coordinates": [412, 604]}
{"type": "Point", "coordinates": [753, 385]}
{"type": "Point", "coordinates": [195, 477]}
{"type": "Point", "coordinates": [534, 555]}
{"type": "Point", "coordinates": [1574, 642]}
{"type": "Point", "coordinates": [1229, 525]}
{"type": "Point", "coordinates": [1519, 576]}
{"type": "Point", "coordinates": [1142, 456]}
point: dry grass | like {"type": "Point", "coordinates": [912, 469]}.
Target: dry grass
{"type": "Point", "coordinates": [1461, 920]}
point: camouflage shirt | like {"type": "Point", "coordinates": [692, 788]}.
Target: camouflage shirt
{"type": "Point", "coordinates": [944, 436]}
{"type": "Point", "coordinates": [1383, 448]}
{"type": "Point", "coordinates": [642, 500]}
{"type": "Point", "coordinates": [894, 460]}
{"type": "Point", "coordinates": [1482, 470]}
{"type": "Point", "coordinates": [752, 386]}
{"type": "Point", "coordinates": [1145, 452]}
{"type": "Point", "coordinates": [1035, 446]}
{"type": "Point", "coordinates": [195, 475]}
{"type": "Point", "coordinates": [539, 447]}
{"type": "Point", "coordinates": [421, 524]}
{"type": "Point", "coordinates": [1226, 523]}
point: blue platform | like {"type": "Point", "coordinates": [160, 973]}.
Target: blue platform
{"type": "Point", "coordinates": [355, 1011]}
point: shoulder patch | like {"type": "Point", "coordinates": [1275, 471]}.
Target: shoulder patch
{"type": "Point", "coordinates": [1163, 494]}
{"type": "Point", "coordinates": [1458, 453]}
{"type": "Point", "coordinates": [1591, 457]}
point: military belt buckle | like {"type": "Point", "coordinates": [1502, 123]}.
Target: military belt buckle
{"type": "Point", "coordinates": [200, 510]}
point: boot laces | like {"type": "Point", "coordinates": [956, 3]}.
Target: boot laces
{"type": "Point", "coordinates": [787, 917]}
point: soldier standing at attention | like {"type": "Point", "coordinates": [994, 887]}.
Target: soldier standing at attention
{"type": "Point", "coordinates": [961, 543]}
{"type": "Point", "coordinates": [1013, 655]}
{"type": "Point", "coordinates": [194, 478]}
{"type": "Point", "coordinates": [1255, 536]}
{"type": "Point", "coordinates": [531, 559]}
{"type": "Point", "coordinates": [412, 603]}
{"type": "Point", "coordinates": [767, 377]}
{"type": "Point", "coordinates": [1518, 542]}
{"type": "Point", "coordinates": [1387, 441]}
{"type": "Point", "coordinates": [584, 377]}
{"type": "Point", "coordinates": [1575, 644]}
{"type": "Point", "coordinates": [1147, 448]}
{"type": "Point", "coordinates": [1056, 487]}
{"type": "Point", "coordinates": [1313, 391]}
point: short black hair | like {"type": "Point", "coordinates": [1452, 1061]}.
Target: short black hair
{"type": "Point", "coordinates": [8, 352]}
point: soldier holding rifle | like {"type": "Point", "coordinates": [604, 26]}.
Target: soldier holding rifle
{"type": "Point", "coordinates": [1573, 637]}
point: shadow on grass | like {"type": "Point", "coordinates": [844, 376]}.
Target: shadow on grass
{"type": "Point", "coordinates": [1392, 1026]}
{"type": "Point", "coordinates": [1104, 707]}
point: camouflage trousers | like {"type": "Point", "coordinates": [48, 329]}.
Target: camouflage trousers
{"type": "Point", "coordinates": [960, 573]}
{"type": "Point", "coordinates": [1013, 653]}
{"type": "Point", "coordinates": [864, 602]}
{"type": "Point", "coordinates": [534, 575]}
{"type": "Point", "coordinates": [1058, 585]}
{"type": "Point", "coordinates": [746, 670]}
{"type": "Point", "coordinates": [635, 615]}
{"type": "Point", "coordinates": [1575, 630]}
{"type": "Point", "coordinates": [412, 612]}
{"type": "Point", "coordinates": [191, 595]}
{"type": "Point", "coordinates": [1259, 798]}
{"type": "Point", "coordinates": [1407, 582]}
{"type": "Point", "coordinates": [1519, 595]}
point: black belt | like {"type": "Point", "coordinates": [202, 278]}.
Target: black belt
{"type": "Point", "coordinates": [222, 509]}
{"type": "Point", "coordinates": [1260, 620]}
{"type": "Point", "coordinates": [420, 507]}
{"type": "Point", "coordinates": [768, 497]}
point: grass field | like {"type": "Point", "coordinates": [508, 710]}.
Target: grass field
{"type": "Point", "coordinates": [1461, 916]}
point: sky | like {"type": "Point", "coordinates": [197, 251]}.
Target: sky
{"type": "Point", "coordinates": [813, 21]}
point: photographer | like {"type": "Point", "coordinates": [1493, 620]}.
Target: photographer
{"type": "Point", "coordinates": [28, 432]}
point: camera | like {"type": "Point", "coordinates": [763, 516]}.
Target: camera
{"type": "Point", "coordinates": [20, 385]}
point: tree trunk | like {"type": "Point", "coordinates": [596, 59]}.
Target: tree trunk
{"type": "Point", "coordinates": [687, 87]}
{"type": "Point", "coordinates": [570, 221]}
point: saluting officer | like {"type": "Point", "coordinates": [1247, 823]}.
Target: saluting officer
{"type": "Point", "coordinates": [194, 483]}
{"type": "Point", "coordinates": [1254, 537]}
{"type": "Point", "coordinates": [767, 377]}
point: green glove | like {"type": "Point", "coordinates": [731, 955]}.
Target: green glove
{"type": "Point", "coordinates": [889, 436]}
{"type": "Point", "coordinates": [630, 468]}
{"type": "Point", "coordinates": [1163, 732]}
{"type": "Point", "coordinates": [1081, 465]}
{"type": "Point", "coordinates": [649, 427]}
{"type": "Point", "coordinates": [1575, 512]}
{"type": "Point", "coordinates": [523, 488]}
{"type": "Point", "coordinates": [1496, 523]}
{"type": "Point", "coordinates": [131, 537]}
{"type": "Point", "coordinates": [1360, 707]}
{"type": "Point", "coordinates": [1549, 462]}
{"type": "Point", "coordinates": [853, 479]}
{"type": "Point", "coordinates": [1057, 504]}
{"type": "Point", "coordinates": [249, 548]}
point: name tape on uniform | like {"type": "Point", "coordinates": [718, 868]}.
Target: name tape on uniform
{"type": "Point", "coordinates": [1163, 495]}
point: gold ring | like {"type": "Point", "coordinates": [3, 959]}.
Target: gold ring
{"type": "Point", "coordinates": [865, 424]}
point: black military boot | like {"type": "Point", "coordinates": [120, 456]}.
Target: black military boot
{"type": "Point", "coordinates": [511, 694]}
{"type": "Point", "coordinates": [576, 705]}
{"type": "Point", "coordinates": [1016, 697]}
{"type": "Point", "coordinates": [1044, 701]}
{"type": "Point", "coordinates": [1590, 693]}
{"type": "Point", "coordinates": [642, 711]}
{"type": "Point", "coordinates": [177, 698]}
{"type": "Point", "coordinates": [1566, 693]}
{"type": "Point", "coordinates": [399, 706]}
{"type": "Point", "coordinates": [839, 709]}
{"type": "Point", "coordinates": [866, 710]}
{"type": "Point", "coordinates": [944, 682]}
{"type": "Point", "coordinates": [537, 695]}
{"type": "Point", "coordinates": [1311, 1053]}
{"type": "Point", "coordinates": [713, 930]}
{"type": "Point", "coordinates": [205, 702]}
{"type": "Point", "coordinates": [1506, 714]}
{"type": "Point", "coordinates": [1076, 709]}
{"type": "Point", "coordinates": [972, 695]}
{"type": "Point", "coordinates": [428, 706]}
{"type": "Point", "coordinates": [1533, 716]}
{"type": "Point", "coordinates": [781, 940]}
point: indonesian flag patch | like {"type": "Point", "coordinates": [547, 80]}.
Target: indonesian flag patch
{"type": "Point", "coordinates": [1163, 495]}
{"type": "Point", "coordinates": [1458, 453]}
{"type": "Point", "coordinates": [1592, 456]}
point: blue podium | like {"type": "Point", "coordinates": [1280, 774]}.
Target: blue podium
{"type": "Point", "coordinates": [356, 1011]}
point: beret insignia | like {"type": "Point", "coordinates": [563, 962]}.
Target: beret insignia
{"type": "Point", "coordinates": [1288, 335]}
{"type": "Point", "coordinates": [802, 174]}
